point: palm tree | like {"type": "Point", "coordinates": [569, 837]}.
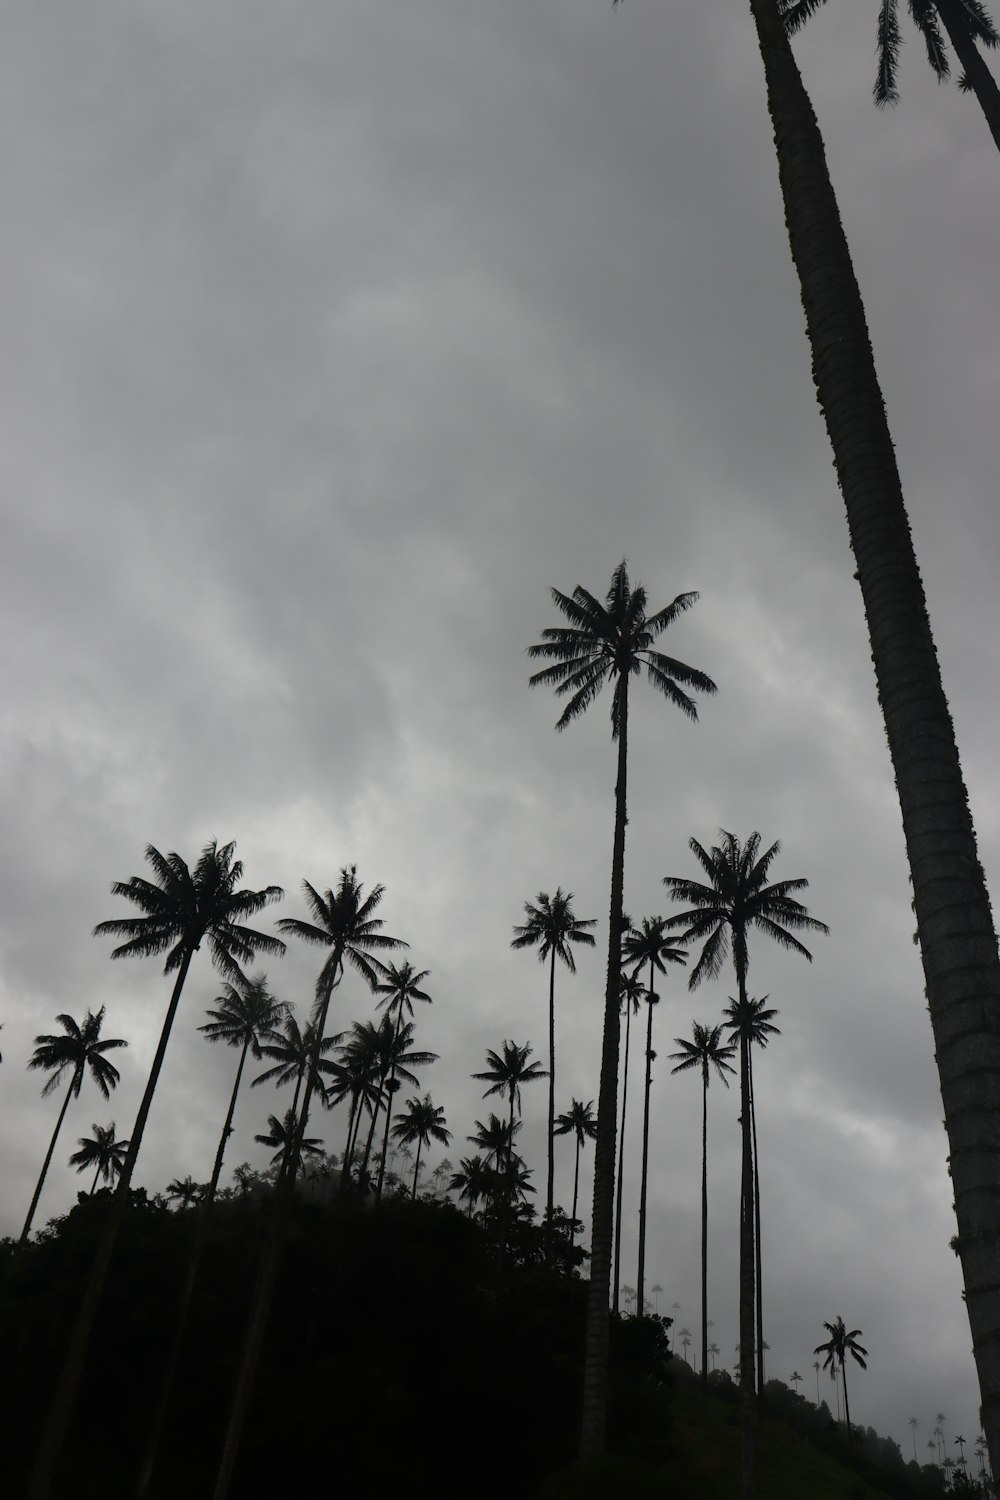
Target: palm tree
{"type": "Point", "coordinates": [357, 1078]}
{"type": "Point", "coordinates": [102, 1152]}
{"type": "Point", "coordinates": [399, 990]}
{"type": "Point", "coordinates": [796, 1380]}
{"type": "Point", "coordinates": [734, 901]}
{"type": "Point", "coordinates": [610, 643]}
{"type": "Point", "coordinates": [551, 927]}
{"type": "Point", "coordinates": [505, 1074]}
{"type": "Point", "coordinates": [346, 924]}
{"type": "Point", "coordinates": [79, 1048]}
{"type": "Point", "coordinates": [957, 938]}
{"type": "Point", "coordinates": [706, 1051]}
{"type": "Point", "coordinates": [838, 1346]}
{"type": "Point", "coordinates": [713, 1350]}
{"type": "Point", "coordinates": [185, 1191]}
{"type": "Point", "coordinates": [685, 1338]}
{"type": "Point", "coordinates": [495, 1138]}
{"type": "Point", "coordinates": [423, 1123]}
{"type": "Point", "coordinates": [281, 1135]}
{"type": "Point", "coordinates": [471, 1181]}
{"type": "Point", "coordinates": [632, 994]}
{"type": "Point", "coordinates": [578, 1119]}
{"type": "Point", "coordinates": [914, 1424]}
{"type": "Point", "coordinates": [749, 1022]}
{"type": "Point", "coordinates": [657, 1292]}
{"type": "Point", "coordinates": [289, 1050]}
{"type": "Point", "coordinates": [817, 1367]}
{"type": "Point", "coordinates": [395, 1060]}
{"type": "Point", "coordinates": [641, 945]}
{"type": "Point", "coordinates": [966, 23]}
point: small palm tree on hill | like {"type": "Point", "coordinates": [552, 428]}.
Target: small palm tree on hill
{"type": "Point", "coordinates": [102, 1152]}
{"type": "Point", "coordinates": [281, 1135]}
{"type": "Point", "coordinates": [841, 1343]}
{"type": "Point", "coordinates": [423, 1123]}
{"type": "Point", "coordinates": [399, 989]}
{"type": "Point", "coordinates": [185, 1192]}
{"type": "Point", "coordinates": [288, 1048]}
{"type": "Point", "coordinates": [578, 1120]}
{"type": "Point", "coordinates": [78, 1051]}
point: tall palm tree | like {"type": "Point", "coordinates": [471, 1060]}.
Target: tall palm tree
{"type": "Point", "coordinates": [79, 1050]}
{"type": "Point", "coordinates": [966, 23]}
{"type": "Point", "coordinates": [505, 1073]}
{"type": "Point", "coordinates": [705, 1052]}
{"type": "Point", "coordinates": [610, 642]}
{"type": "Point", "coordinates": [398, 991]}
{"type": "Point", "coordinates": [838, 1346]}
{"type": "Point", "coordinates": [632, 994]}
{"type": "Point", "coordinates": [648, 943]}
{"type": "Point", "coordinates": [958, 941]}
{"type": "Point", "coordinates": [579, 1120]}
{"type": "Point", "coordinates": [102, 1152]}
{"type": "Point", "coordinates": [343, 921]}
{"type": "Point", "coordinates": [423, 1123]}
{"type": "Point", "coordinates": [914, 1424]}
{"type": "Point", "coordinates": [357, 1078]}
{"type": "Point", "coordinates": [551, 927]}
{"type": "Point", "coordinates": [289, 1050]}
{"type": "Point", "coordinates": [732, 901]}
{"type": "Point", "coordinates": [749, 1022]}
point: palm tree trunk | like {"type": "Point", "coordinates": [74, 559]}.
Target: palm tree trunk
{"type": "Point", "coordinates": [550, 1188]}
{"type": "Point", "coordinates": [640, 1288]}
{"type": "Point", "coordinates": [61, 1409]}
{"type": "Point", "coordinates": [388, 1107]}
{"type": "Point", "coordinates": [48, 1157]}
{"type": "Point", "coordinates": [368, 1144]}
{"type": "Point", "coordinates": [267, 1270]}
{"type": "Point", "coordinates": [187, 1294]}
{"type": "Point", "coordinates": [93, 1185]}
{"type": "Point", "coordinates": [595, 1369]}
{"type": "Point", "coordinates": [345, 1170]}
{"type": "Point", "coordinates": [576, 1190]}
{"type": "Point", "coordinates": [416, 1171]}
{"type": "Point", "coordinates": [979, 77]}
{"type": "Point", "coordinates": [621, 1163]}
{"type": "Point", "coordinates": [748, 1405]}
{"type": "Point", "coordinates": [847, 1408]}
{"type": "Point", "coordinates": [704, 1223]}
{"type": "Point", "coordinates": [958, 944]}
{"type": "Point", "coordinates": [756, 1233]}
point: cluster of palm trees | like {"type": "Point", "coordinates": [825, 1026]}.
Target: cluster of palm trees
{"type": "Point", "coordinates": [937, 1446]}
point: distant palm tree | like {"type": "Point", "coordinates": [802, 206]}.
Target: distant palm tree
{"type": "Point", "coordinates": [358, 1078]}
{"type": "Point", "coordinates": [796, 1380]}
{"type": "Point", "coordinates": [706, 1051]}
{"type": "Point", "coordinates": [495, 1138]}
{"type": "Point", "coordinates": [713, 1350]}
{"type": "Point", "coordinates": [185, 1191]}
{"type": "Point", "coordinates": [102, 1152]}
{"type": "Point", "coordinates": [423, 1123]}
{"type": "Point", "coordinates": [817, 1367]}
{"type": "Point", "coordinates": [914, 1424]}
{"type": "Point", "coordinates": [472, 1180]}
{"type": "Point", "coordinates": [657, 1292]}
{"type": "Point", "coordinates": [401, 986]}
{"type": "Point", "coordinates": [506, 1072]}
{"type": "Point", "coordinates": [289, 1049]}
{"type": "Point", "coordinates": [610, 642]}
{"type": "Point", "coordinates": [281, 1134]}
{"type": "Point", "coordinates": [79, 1048]}
{"type": "Point", "coordinates": [551, 927]}
{"type": "Point", "coordinates": [632, 994]}
{"type": "Point", "coordinates": [961, 1441]}
{"type": "Point", "coordinates": [578, 1120]}
{"type": "Point", "coordinates": [685, 1337]}
{"type": "Point", "coordinates": [648, 944]}
{"type": "Point", "coordinates": [838, 1346]}
{"type": "Point", "coordinates": [396, 1059]}
{"type": "Point", "coordinates": [733, 901]}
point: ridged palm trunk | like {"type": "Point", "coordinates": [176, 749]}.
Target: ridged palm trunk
{"type": "Point", "coordinates": [621, 1164]}
{"type": "Point", "coordinates": [61, 1410]}
{"type": "Point", "coordinates": [187, 1294]}
{"type": "Point", "coordinates": [640, 1280]}
{"type": "Point", "coordinates": [847, 1407]}
{"type": "Point", "coordinates": [979, 77]}
{"type": "Point", "coordinates": [958, 943]}
{"type": "Point", "coordinates": [748, 1403]}
{"type": "Point", "coordinates": [758, 1289]}
{"type": "Point", "coordinates": [595, 1369]}
{"type": "Point", "coordinates": [45, 1164]}
{"type": "Point", "coordinates": [267, 1271]}
{"type": "Point", "coordinates": [704, 1221]}
{"type": "Point", "coordinates": [576, 1193]}
{"type": "Point", "coordinates": [550, 1184]}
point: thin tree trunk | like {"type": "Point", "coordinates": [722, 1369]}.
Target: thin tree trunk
{"type": "Point", "coordinates": [550, 1188]}
{"type": "Point", "coordinates": [388, 1106]}
{"type": "Point", "coordinates": [958, 944]}
{"type": "Point", "coordinates": [640, 1289]}
{"type": "Point", "coordinates": [363, 1176]}
{"type": "Point", "coordinates": [748, 1405]}
{"type": "Point", "coordinates": [267, 1270]}
{"type": "Point", "coordinates": [48, 1157]}
{"type": "Point", "coordinates": [576, 1189]}
{"type": "Point", "coordinates": [187, 1294]}
{"type": "Point", "coordinates": [416, 1171]}
{"type": "Point", "coordinates": [61, 1409]}
{"type": "Point", "coordinates": [595, 1370]}
{"type": "Point", "coordinates": [847, 1407]}
{"type": "Point", "coordinates": [704, 1224]}
{"type": "Point", "coordinates": [621, 1163]}
{"type": "Point", "coordinates": [979, 77]}
{"type": "Point", "coordinates": [756, 1233]}
{"type": "Point", "coordinates": [345, 1170]}
{"type": "Point", "coordinates": [93, 1185]}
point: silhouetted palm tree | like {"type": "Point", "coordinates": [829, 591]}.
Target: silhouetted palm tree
{"type": "Point", "coordinates": [399, 990]}
{"type": "Point", "coordinates": [495, 1138]}
{"type": "Point", "coordinates": [77, 1051]}
{"type": "Point", "coordinates": [185, 1191]}
{"type": "Point", "coordinates": [578, 1120]}
{"type": "Point", "coordinates": [706, 1051]}
{"type": "Point", "coordinates": [551, 927]}
{"type": "Point", "coordinates": [505, 1073]}
{"type": "Point", "coordinates": [966, 22]}
{"type": "Point", "coordinates": [610, 643]}
{"type": "Point", "coordinates": [102, 1152]}
{"type": "Point", "coordinates": [472, 1180]}
{"type": "Point", "coordinates": [838, 1346]}
{"type": "Point", "coordinates": [632, 994]}
{"type": "Point", "coordinates": [396, 1059]}
{"type": "Point", "coordinates": [281, 1135]}
{"type": "Point", "coordinates": [914, 1424]}
{"type": "Point", "coordinates": [289, 1050]}
{"type": "Point", "coordinates": [423, 1123]}
{"type": "Point", "coordinates": [648, 943]}
{"type": "Point", "coordinates": [357, 1077]}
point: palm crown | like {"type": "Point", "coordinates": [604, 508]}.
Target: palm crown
{"type": "Point", "coordinates": [840, 1344]}
{"type": "Point", "coordinates": [288, 1050]}
{"type": "Point", "coordinates": [705, 1051]}
{"type": "Point", "coordinates": [649, 944]}
{"type": "Point", "coordinates": [580, 1120]}
{"type": "Point", "coordinates": [750, 1019]}
{"type": "Point", "coordinates": [344, 922]}
{"type": "Point", "coordinates": [246, 1014]}
{"type": "Point", "coordinates": [551, 927]}
{"type": "Point", "coordinates": [506, 1073]}
{"type": "Point", "coordinates": [611, 642]}
{"type": "Point", "coordinates": [100, 1151]}
{"type": "Point", "coordinates": [78, 1049]}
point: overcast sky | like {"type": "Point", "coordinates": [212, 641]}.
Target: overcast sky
{"type": "Point", "coordinates": [335, 336]}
